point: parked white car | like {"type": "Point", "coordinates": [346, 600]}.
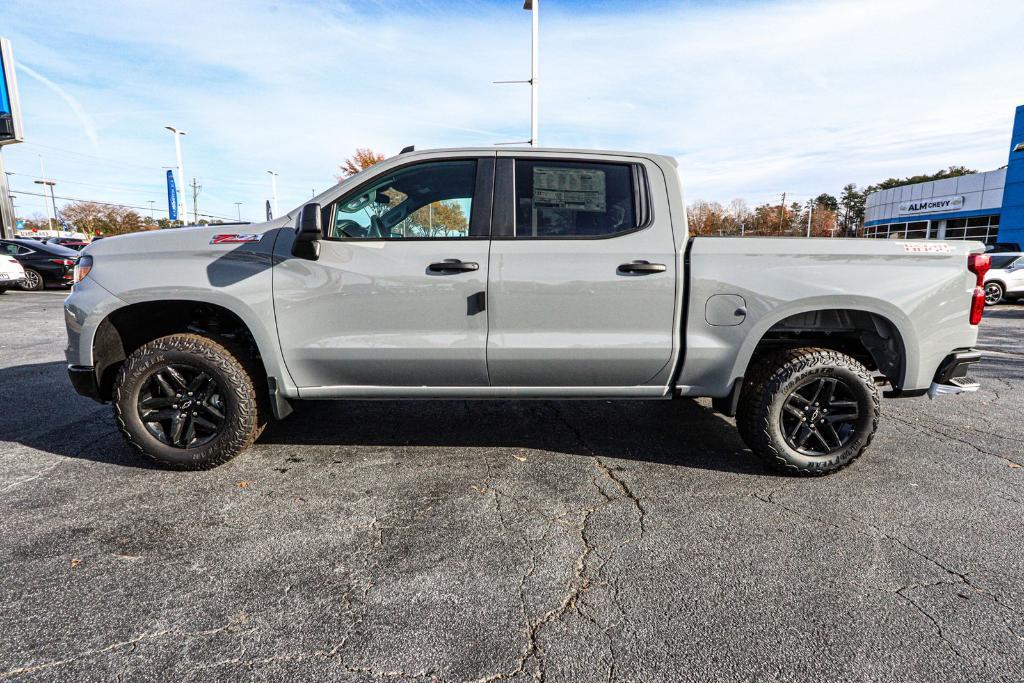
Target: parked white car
{"type": "Point", "coordinates": [1005, 278]}
{"type": "Point", "coordinates": [11, 273]}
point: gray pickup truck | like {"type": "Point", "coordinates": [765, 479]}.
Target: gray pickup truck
{"type": "Point", "coordinates": [515, 274]}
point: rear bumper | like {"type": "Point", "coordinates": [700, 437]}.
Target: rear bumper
{"type": "Point", "coordinates": [951, 377]}
{"type": "Point", "coordinates": [83, 379]}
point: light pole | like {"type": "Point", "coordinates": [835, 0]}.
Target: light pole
{"type": "Point", "coordinates": [151, 203]}
{"type": "Point", "coordinates": [50, 184]}
{"type": "Point", "coordinates": [810, 212]}
{"type": "Point", "coordinates": [179, 186]}
{"type": "Point", "coordinates": [273, 190]}
{"type": "Point", "coordinates": [238, 205]}
{"type": "Point", "coordinates": [534, 7]}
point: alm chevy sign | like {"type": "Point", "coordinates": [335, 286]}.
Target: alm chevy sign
{"type": "Point", "coordinates": [933, 205]}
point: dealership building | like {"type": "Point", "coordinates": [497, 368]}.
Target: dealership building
{"type": "Point", "coordinates": [988, 207]}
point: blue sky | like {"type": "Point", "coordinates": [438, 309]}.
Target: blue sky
{"type": "Point", "coordinates": [752, 98]}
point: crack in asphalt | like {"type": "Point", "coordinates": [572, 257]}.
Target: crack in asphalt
{"type": "Point", "coordinates": [233, 626]}
{"type": "Point", "coordinates": [584, 575]}
{"type": "Point", "coordinates": [953, 437]}
{"type": "Point", "coordinates": [957, 577]}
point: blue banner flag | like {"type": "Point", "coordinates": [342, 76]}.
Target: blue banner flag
{"type": "Point", "coordinates": [172, 197]}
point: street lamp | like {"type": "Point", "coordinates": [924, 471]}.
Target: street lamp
{"type": "Point", "coordinates": [181, 173]}
{"type": "Point", "coordinates": [238, 205]}
{"type": "Point", "coordinates": [50, 184]}
{"type": "Point", "coordinates": [273, 190]}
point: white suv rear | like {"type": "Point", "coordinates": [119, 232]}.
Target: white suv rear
{"type": "Point", "coordinates": [1005, 278]}
{"type": "Point", "coordinates": [11, 273]}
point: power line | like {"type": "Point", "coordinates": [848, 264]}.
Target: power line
{"type": "Point", "coordinates": [123, 206]}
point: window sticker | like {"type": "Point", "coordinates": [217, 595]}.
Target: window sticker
{"type": "Point", "coordinates": [569, 188]}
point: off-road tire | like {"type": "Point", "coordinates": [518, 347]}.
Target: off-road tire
{"type": "Point", "coordinates": [36, 284]}
{"type": "Point", "coordinates": [244, 416]}
{"type": "Point", "coordinates": [773, 378]}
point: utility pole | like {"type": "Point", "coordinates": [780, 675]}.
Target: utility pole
{"type": "Point", "coordinates": [180, 184]}
{"type": "Point", "coordinates": [782, 212]}
{"type": "Point", "coordinates": [273, 190]}
{"type": "Point", "coordinates": [238, 205]}
{"type": "Point", "coordinates": [151, 202]}
{"type": "Point", "coordinates": [810, 212]}
{"type": "Point", "coordinates": [195, 201]}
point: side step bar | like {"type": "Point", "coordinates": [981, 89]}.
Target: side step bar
{"type": "Point", "coordinates": [951, 377]}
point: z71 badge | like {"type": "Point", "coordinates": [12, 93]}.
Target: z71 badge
{"type": "Point", "coordinates": [236, 239]}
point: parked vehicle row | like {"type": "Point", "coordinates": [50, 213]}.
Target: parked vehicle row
{"type": "Point", "coordinates": [44, 264]}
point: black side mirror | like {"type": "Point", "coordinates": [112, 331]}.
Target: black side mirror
{"type": "Point", "coordinates": [308, 233]}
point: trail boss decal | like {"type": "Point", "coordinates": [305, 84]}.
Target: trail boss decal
{"type": "Point", "coordinates": [924, 248]}
{"type": "Point", "coordinates": [237, 239]}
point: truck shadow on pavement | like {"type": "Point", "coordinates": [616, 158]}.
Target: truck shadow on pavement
{"type": "Point", "coordinates": [678, 433]}
{"type": "Point", "coordinates": [43, 413]}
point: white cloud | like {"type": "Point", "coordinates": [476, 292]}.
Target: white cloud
{"type": "Point", "coordinates": [753, 99]}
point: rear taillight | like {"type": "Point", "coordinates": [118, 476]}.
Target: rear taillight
{"type": "Point", "coordinates": [82, 268]}
{"type": "Point", "coordinates": [977, 305]}
{"type": "Point", "coordinates": [62, 261]}
{"type": "Point", "coordinates": [979, 265]}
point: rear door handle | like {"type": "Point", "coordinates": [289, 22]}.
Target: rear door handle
{"type": "Point", "coordinates": [642, 267]}
{"type": "Point", "coordinates": [453, 265]}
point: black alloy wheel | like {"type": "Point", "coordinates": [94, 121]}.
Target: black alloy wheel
{"type": "Point", "coordinates": [820, 416]}
{"type": "Point", "coordinates": [181, 406]}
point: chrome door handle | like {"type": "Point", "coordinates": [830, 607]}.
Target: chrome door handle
{"type": "Point", "coordinates": [453, 265]}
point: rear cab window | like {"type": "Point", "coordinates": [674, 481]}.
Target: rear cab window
{"type": "Point", "coordinates": [577, 199]}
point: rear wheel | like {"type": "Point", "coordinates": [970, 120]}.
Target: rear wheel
{"type": "Point", "coordinates": [187, 402]}
{"type": "Point", "coordinates": [809, 410]}
{"type": "Point", "coordinates": [33, 281]}
{"type": "Point", "coordinates": [993, 293]}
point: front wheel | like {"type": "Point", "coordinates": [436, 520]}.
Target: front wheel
{"type": "Point", "coordinates": [809, 410]}
{"type": "Point", "coordinates": [993, 293]}
{"type": "Point", "coordinates": [187, 402]}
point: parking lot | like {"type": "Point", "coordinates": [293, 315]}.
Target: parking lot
{"type": "Point", "coordinates": [485, 541]}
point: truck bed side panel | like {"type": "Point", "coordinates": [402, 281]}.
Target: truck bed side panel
{"type": "Point", "coordinates": [924, 294]}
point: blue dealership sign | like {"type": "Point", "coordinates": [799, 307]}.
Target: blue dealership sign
{"type": "Point", "coordinates": [172, 197]}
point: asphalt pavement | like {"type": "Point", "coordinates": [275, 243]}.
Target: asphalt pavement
{"type": "Point", "coordinates": [486, 541]}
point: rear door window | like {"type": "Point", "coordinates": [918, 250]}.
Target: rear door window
{"type": "Point", "coordinates": [571, 199]}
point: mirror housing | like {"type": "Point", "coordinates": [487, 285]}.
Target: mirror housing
{"type": "Point", "coordinates": [308, 232]}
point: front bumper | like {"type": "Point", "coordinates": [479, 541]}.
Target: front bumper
{"type": "Point", "coordinates": [83, 379]}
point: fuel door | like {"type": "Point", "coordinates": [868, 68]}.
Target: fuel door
{"type": "Point", "coordinates": [725, 310]}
